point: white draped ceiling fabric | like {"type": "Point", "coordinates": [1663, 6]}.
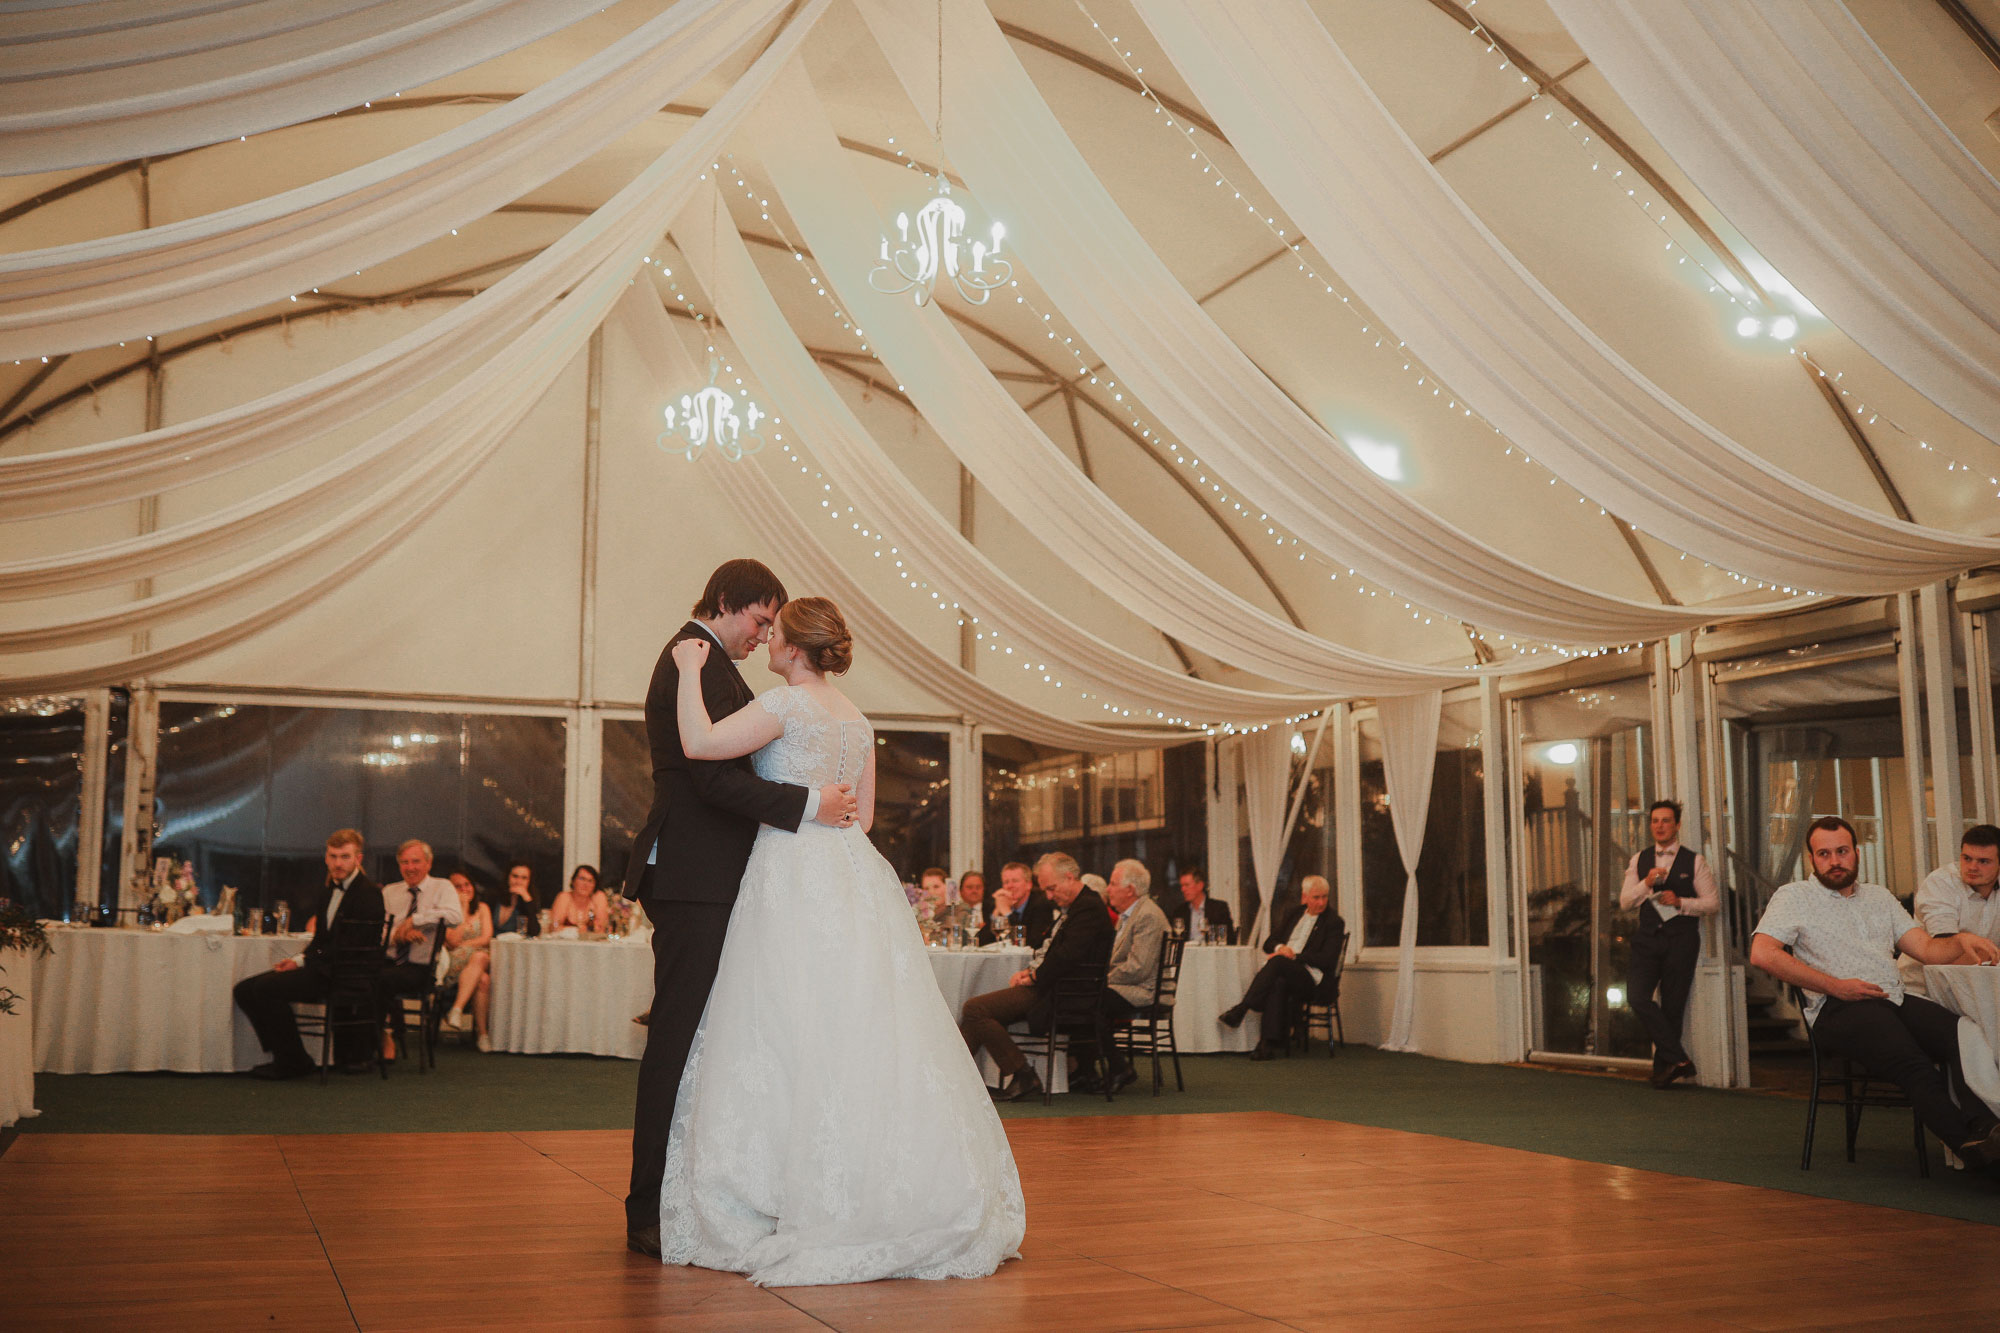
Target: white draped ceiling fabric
{"type": "Point", "coordinates": [760, 503]}
{"type": "Point", "coordinates": [147, 282]}
{"type": "Point", "coordinates": [460, 429]}
{"type": "Point", "coordinates": [1409, 758]}
{"type": "Point", "coordinates": [822, 424]}
{"type": "Point", "coordinates": [1789, 118]}
{"type": "Point", "coordinates": [1266, 758]}
{"type": "Point", "coordinates": [1192, 377]}
{"type": "Point", "coordinates": [1317, 136]}
{"type": "Point", "coordinates": [982, 425]}
{"type": "Point", "coordinates": [108, 80]}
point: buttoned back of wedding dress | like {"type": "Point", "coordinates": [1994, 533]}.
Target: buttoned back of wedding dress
{"type": "Point", "coordinates": [831, 1125]}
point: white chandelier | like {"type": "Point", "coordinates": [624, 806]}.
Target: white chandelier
{"type": "Point", "coordinates": [935, 247]}
{"type": "Point", "coordinates": [708, 419]}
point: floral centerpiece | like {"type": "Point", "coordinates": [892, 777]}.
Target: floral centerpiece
{"type": "Point", "coordinates": [18, 930]}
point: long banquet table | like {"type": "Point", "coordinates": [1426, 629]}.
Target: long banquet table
{"type": "Point", "coordinates": [108, 1001]}
{"type": "Point", "coordinates": [579, 996]}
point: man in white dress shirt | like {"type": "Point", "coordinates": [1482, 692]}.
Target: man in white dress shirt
{"type": "Point", "coordinates": [416, 904]}
{"type": "Point", "coordinates": [1670, 885]}
{"type": "Point", "coordinates": [1300, 953]}
{"type": "Point", "coordinates": [1959, 899]}
{"type": "Point", "coordinates": [1844, 938]}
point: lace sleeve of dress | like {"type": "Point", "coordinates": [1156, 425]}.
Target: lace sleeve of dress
{"type": "Point", "coordinates": [777, 701]}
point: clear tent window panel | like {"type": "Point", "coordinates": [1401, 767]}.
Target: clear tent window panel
{"type": "Point", "coordinates": [41, 783]}
{"type": "Point", "coordinates": [1451, 867]}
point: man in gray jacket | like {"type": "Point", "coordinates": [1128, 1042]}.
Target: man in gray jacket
{"type": "Point", "coordinates": [1135, 955]}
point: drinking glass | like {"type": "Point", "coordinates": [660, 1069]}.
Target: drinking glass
{"type": "Point", "coordinates": [284, 918]}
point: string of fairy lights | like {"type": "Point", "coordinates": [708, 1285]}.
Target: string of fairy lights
{"type": "Point", "coordinates": [853, 523]}
{"type": "Point", "coordinates": [1753, 318]}
{"type": "Point", "coordinates": [1145, 430]}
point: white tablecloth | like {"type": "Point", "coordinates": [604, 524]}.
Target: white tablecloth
{"type": "Point", "coordinates": [113, 1000]}
{"type": "Point", "coordinates": [1973, 993]}
{"type": "Point", "coordinates": [17, 1039]}
{"type": "Point", "coordinates": [576, 996]}
{"type": "Point", "coordinates": [1214, 977]}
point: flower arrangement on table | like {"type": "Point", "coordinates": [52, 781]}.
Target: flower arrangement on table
{"type": "Point", "coordinates": [18, 930]}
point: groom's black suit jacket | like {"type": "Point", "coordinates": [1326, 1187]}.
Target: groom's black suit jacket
{"type": "Point", "coordinates": [705, 811]}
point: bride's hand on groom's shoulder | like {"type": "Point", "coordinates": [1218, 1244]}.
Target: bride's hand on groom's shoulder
{"type": "Point", "coordinates": [690, 653]}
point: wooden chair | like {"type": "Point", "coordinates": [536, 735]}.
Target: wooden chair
{"type": "Point", "coordinates": [1151, 1029]}
{"type": "Point", "coordinates": [1075, 1010]}
{"type": "Point", "coordinates": [1856, 1089]}
{"type": "Point", "coordinates": [355, 960]}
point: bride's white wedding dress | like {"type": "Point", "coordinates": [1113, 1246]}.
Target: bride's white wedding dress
{"type": "Point", "coordinates": [831, 1126]}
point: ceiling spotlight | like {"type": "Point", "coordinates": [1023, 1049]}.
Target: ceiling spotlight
{"type": "Point", "coordinates": [1384, 460]}
{"type": "Point", "coordinates": [1784, 328]}
{"type": "Point", "coordinates": [1561, 753]}
{"type": "Point", "coordinates": [1748, 326]}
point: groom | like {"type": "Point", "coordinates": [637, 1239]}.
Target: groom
{"type": "Point", "coordinates": [689, 858]}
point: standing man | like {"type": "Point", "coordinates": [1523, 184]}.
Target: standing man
{"type": "Point", "coordinates": [1671, 886]}
{"type": "Point", "coordinates": [688, 860]}
{"type": "Point", "coordinates": [1196, 909]}
{"type": "Point", "coordinates": [419, 904]}
{"type": "Point", "coordinates": [267, 998]}
{"type": "Point", "coordinates": [1844, 938]}
{"type": "Point", "coordinates": [1961, 900]}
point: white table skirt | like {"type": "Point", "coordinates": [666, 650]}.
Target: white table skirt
{"type": "Point", "coordinates": [17, 1039]}
{"type": "Point", "coordinates": [108, 1001]}
{"type": "Point", "coordinates": [1973, 993]}
{"type": "Point", "coordinates": [574, 996]}
{"type": "Point", "coordinates": [1214, 977]}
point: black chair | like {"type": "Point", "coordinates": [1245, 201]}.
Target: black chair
{"type": "Point", "coordinates": [429, 1014]}
{"type": "Point", "coordinates": [1151, 1029]}
{"type": "Point", "coordinates": [1324, 1011]}
{"type": "Point", "coordinates": [1856, 1088]}
{"type": "Point", "coordinates": [354, 961]}
{"type": "Point", "coordinates": [1075, 1011]}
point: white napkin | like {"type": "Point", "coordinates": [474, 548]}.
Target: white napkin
{"type": "Point", "coordinates": [643, 935]}
{"type": "Point", "coordinates": [566, 933]}
{"type": "Point", "coordinates": [211, 924]}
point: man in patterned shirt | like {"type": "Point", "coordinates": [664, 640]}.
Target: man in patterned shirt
{"type": "Point", "coordinates": [1844, 938]}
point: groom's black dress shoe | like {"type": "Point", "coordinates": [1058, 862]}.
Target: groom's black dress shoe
{"type": "Point", "coordinates": [1024, 1084]}
{"type": "Point", "coordinates": [644, 1240]}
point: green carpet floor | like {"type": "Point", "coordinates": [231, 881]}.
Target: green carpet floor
{"type": "Point", "coordinates": [1750, 1138]}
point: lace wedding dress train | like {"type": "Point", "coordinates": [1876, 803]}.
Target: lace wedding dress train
{"type": "Point", "coordinates": [831, 1126]}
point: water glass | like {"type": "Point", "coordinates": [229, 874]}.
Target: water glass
{"type": "Point", "coordinates": [284, 915]}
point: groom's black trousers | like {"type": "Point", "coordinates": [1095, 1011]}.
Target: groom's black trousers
{"type": "Point", "coordinates": [687, 947]}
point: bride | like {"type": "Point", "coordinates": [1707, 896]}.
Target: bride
{"type": "Point", "coordinates": [831, 1126]}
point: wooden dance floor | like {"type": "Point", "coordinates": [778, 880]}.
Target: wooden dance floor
{"type": "Point", "coordinates": [1222, 1222]}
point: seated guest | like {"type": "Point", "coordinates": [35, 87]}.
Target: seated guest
{"type": "Point", "coordinates": [1135, 956]}
{"type": "Point", "coordinates": [420, 905]}
{"type": "Point", "coordinates": [583, 904]}
{"type": "Point", "coordinates": [1301, 953]}
{"type": "Point", "coordinates": [1095, 883]}
{"type": "Point", "coordinates": [1196, 909]}
{"type": "Point", "coordinates": [1030, 913]}
{"type": "Point", "coordinates": [518, 910]}
{"type": "Point", "coordinates": [1080, 941]}
{"type": "Point", "coordinates": [267, 998]}
{"type": "Point", "coordinates": [934, 891]}
{"type": "Point", "coordinates": [1959, 899]}
{"type": "Point", "coordinates": [972, 894]}
{"type": "Point", "coordinates": [471, 946]}
{"type": "Point", "coordinates": [1844, 938]}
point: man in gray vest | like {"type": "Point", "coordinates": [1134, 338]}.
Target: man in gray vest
{"type": "Point", "coordinates": [1671, 886]}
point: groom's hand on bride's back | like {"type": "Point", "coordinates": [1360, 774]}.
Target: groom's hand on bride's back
{"type": "Point", "coordinates": [836, 805]}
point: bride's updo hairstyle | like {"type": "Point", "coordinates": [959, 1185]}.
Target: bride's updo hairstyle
{"type": "Point", "coordinates": [813, 626]}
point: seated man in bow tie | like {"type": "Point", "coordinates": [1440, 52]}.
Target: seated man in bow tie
{"type": "Point", "coordinates": [1080, 941]}
{"type": "Point", "coordinates": [267, 998]}
{"type": "Point", "coordinates": [420, 905]}
{"type": "Point", "coordinates": [1299, 956]}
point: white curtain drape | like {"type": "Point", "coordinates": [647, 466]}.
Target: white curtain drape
{"type": "Point", "coordinates": [102, 82]}
{"type": "Point", "coordinates": [635, 217]}
{"type": "Point", "coordinates": [1190, 375]}
{"type": "Point", "coordinates": [1336, 160]}
{"type": "Point", "coordinates": [1266, 759]}
{"type": "Point", "coordinates": [821, 423]}
{"type": "Point", "coordinates": [1788, 118]}
{"type": "Point", "coordinates": [129, 286]}
{"type": "Point", "coordinates": [877, 629]}
{"type": "Point", "coordinates": [1409, 758]}
{"type": "Point", "coordinates": [986, 429]}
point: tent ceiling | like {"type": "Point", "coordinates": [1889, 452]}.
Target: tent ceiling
{"type": "Point", "coordinates": [1524, 170]}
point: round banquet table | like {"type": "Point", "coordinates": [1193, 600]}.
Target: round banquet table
{"type": "Point", "coordinates": [108, 1001]}
{"type": "Point", "coordinates": [1214, 977]}
{"type": "Point", "coordinates": [574, 996]}
{"type": "Point", "coordinates": [17, 1039]}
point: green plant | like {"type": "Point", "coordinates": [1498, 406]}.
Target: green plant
{"type": "Point", "coordinates": [18, 930]}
